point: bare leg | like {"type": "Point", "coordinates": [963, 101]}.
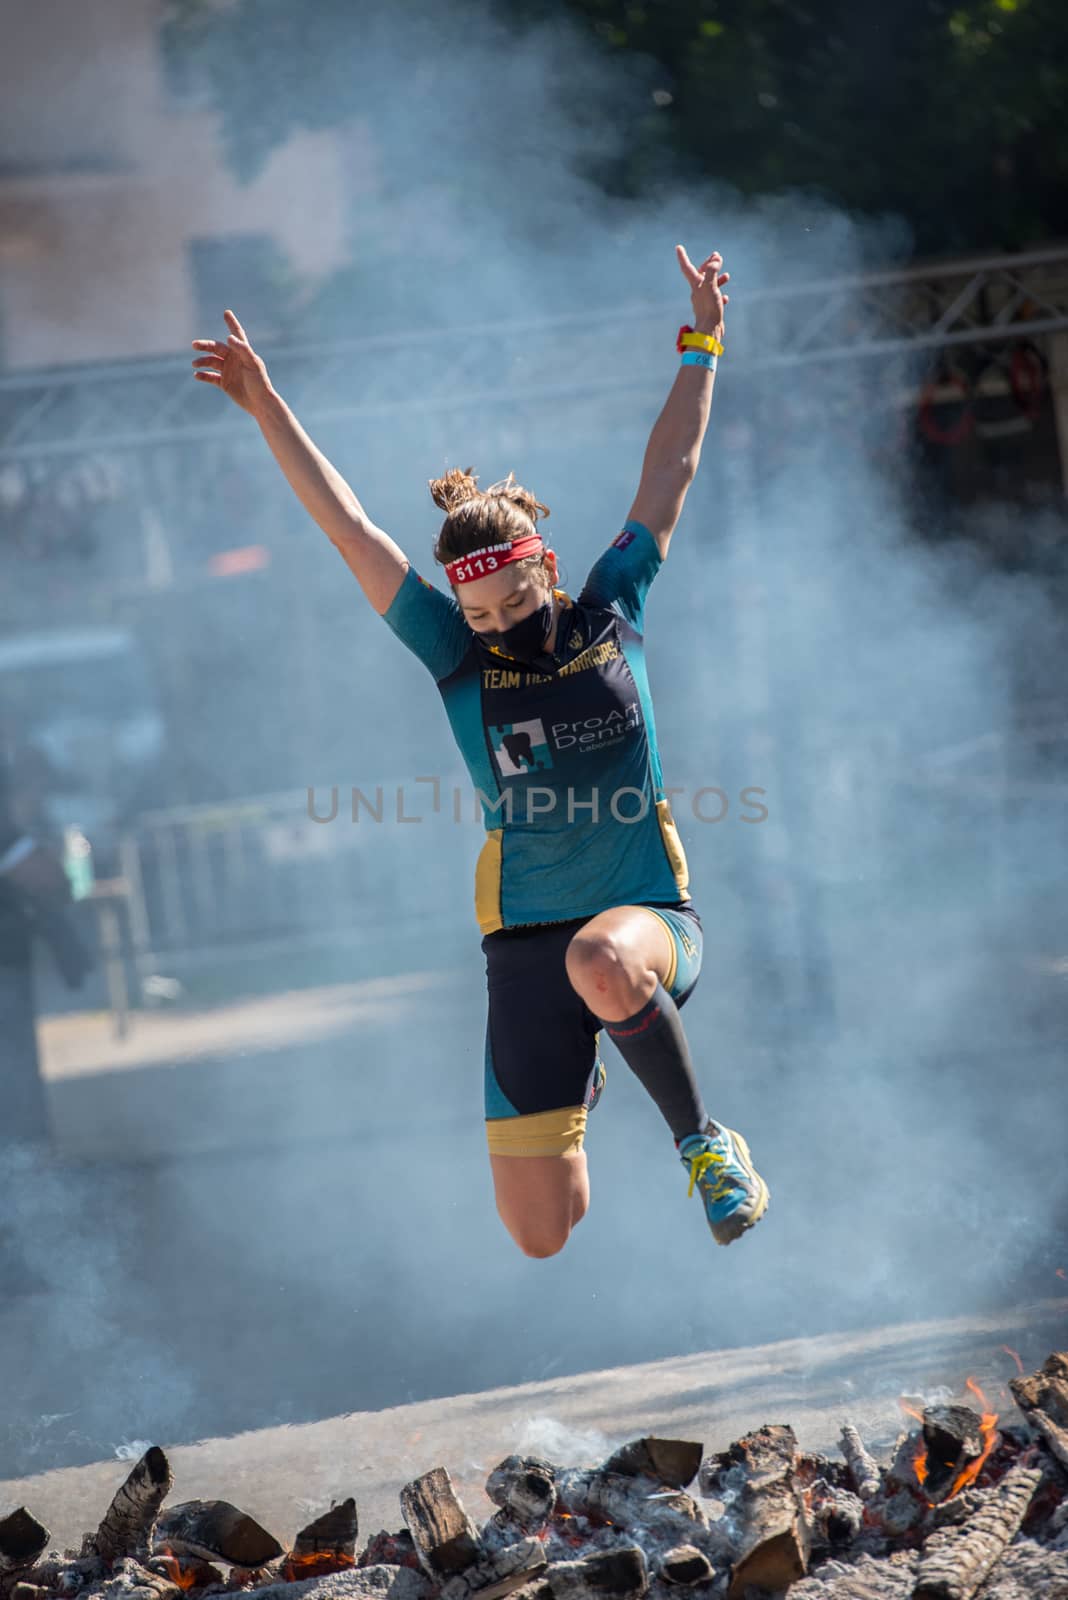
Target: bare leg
{"type": "Point", "coordinates": [541, 1198]}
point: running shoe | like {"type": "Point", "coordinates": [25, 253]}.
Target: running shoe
{"type": "Point", "coordinates": [734, 1193]}
{"type": "Point", "coordinates": [599, 1076]}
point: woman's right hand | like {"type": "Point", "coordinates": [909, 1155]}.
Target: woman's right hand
{"type": "Point", "coordinates": [233, 367]}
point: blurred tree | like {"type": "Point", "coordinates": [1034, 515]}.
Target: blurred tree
{"type": "Point", "coordinates": [950, 115]}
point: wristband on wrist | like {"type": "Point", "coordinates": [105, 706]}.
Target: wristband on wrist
{"type": "Point", "coordinates": [689, 340]}
{"type": "Point", "coordinates": [699, 358]}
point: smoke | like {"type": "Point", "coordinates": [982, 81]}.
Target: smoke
{"type": "Point", "coordinates": [879, 1004]}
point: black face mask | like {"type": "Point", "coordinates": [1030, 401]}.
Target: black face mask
{"type": "Point", "coordinates": [524, 640]}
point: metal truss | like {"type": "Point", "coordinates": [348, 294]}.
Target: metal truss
{"type": "Point", "coordinates": [893, 315]}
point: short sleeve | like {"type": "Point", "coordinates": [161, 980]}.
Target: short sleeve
{"type": "Point", "coordinates": [430, 623]}
{"type": "Point", "coordinates": [620, 578]}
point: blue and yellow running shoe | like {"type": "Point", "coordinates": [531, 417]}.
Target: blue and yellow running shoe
{"type": "Point", "coordinates": [734, 1193]}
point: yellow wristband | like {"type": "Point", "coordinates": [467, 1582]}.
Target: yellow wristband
{"type": "Point", "coordinates": [702, 341]}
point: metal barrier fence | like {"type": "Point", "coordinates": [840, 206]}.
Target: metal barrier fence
{"type": "Point", "coordinates": [210, 878]}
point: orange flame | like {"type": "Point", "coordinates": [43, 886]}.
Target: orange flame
{"type": "Point", "coordinates": [174, 1570]}
{"type": "Point", "coordinates": [1015, 1356]}
{"type": "Point", "coordinates": [968, 1474]}
{"type": "Point", "coordinates": [317, 1564]}
{"type": "Point", "coordinates": [987, 1426]}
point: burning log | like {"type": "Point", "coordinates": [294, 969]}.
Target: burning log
{"type": "Point", "coordinates": [23, 1540]}
{"type": "Point", "coordinates": [610, 1497]}
{"type": "Point", "coordinates": [672, 1462]}
{"type": "Point", "coordinates": [391, 1550]}
{"type": "Point", "coordinates": [445, 1537]}
{"type": "Point", "coordinates": [129, 1520]}
{"type": "Point", "coordinates": [499, 1574]}
{"type": "Point", "coordinates": [326, 1545]}
{"type": "Point", "coordinates": [863, 1468]}
{"type": "Point", "coordinates": [685, 1565]}
{"type": "Point", "coordinates": [192, 1573]}
{"type": "Point", "coordinates": [956, 1563]}
{"type": "Point", "coordinates": [217, 1531]}
{"type": "Point", "coordinates": [524, 1488]}
{"type": "Point", "coordinates": [1043, 1398]}
{"type": "Point", "coordinates": [776, 1537]}
{"type": "Point", "coordinates": [954, 1439]}
{"type": "Point", "coordinates": [610, 1575]}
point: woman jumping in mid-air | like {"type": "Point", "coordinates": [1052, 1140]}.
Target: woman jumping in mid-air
{"type": "Point", "coordinates": [581, 886]}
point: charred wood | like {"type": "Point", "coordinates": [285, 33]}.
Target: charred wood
{"type": "Point", "coordinates": [524, 1488]}
{"type": "Point", "coordinates": [776, 1541]}
{"type": "Point", "coordinates": [836, 1515]}
{"type": "Point", "coordinates": [954, 1564]}
{"type": "Point", "coordinates": [685, 1565]}
{"type": "Point", "coordinates": [756, 1475]}
{"type": "Point", "coordinates": [1043, 1398]}
{"type": "Point", "coordinates": [217, 1531]}
{"type": "Point", "coordinates": [769, 1455]}
{"type": "Point", "coordinates": [391, 1550]}
{"type": "Point", "coordinates": [23, 1540]}
{"type": "Point", "coordinates": [26, 1591]}
{"type": "Point", "coordinates": [444, 1535]}
{"type": "Point", "coordinates": [672, 1462]}
{"type": "Point", "coordinates": [611, 1575]}
{"type": "Point", "coordinates": [129, 1520]}
{"type": "Point", "coordinates": [192, 1573]}
{"type": "Point", "coordinates": [333, 1534]}
{"type": "Point", "coordinates": [610, 1497]}
{"type": "Point", "coordinates": [954, 1440]}
{"type": "Point", "coordinates": [863, 1468]}
{"type": "Point", "coordinates": [498, 1574]}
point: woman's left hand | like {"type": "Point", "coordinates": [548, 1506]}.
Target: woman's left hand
{"type": "Point", "coordinates": [706, 290]}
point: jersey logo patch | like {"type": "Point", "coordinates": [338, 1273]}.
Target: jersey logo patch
{"type": "Point", "coordinates": [521, 747]}
{"type": "Point", "coordinates": [621, 541]}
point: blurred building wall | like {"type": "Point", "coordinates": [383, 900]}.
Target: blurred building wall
{"type": "Point", "coordinates": [110, 187]}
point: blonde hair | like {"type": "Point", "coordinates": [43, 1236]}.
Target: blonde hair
{"type": "Point", "coordinates": [477, 517]}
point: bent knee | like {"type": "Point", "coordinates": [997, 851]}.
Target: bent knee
{"type": "Point", "coordinates": [540, 1238]}
{"type": "Point", "coordinates": [595, 963]}
{"type": "Point", "coordinates": [540, 1243]}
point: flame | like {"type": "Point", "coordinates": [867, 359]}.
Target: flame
{"type": "Point", "coordinates": [1015, 1356]}
{"type": "Point", "coordinates": [987, 1426]}
{"type": "Point", "coordinates": [173, 1568]}
{"type": "Point", "coordinates": [1059, 1272]}
{"type": "Point", "coordinates": [316, 1564]}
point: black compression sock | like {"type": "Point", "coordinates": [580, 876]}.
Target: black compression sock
{"type": "Point", "coordinates": [653, 1045]}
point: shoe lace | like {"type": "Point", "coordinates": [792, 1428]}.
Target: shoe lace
{"type": "Point", "coordinates": [700, 1165]}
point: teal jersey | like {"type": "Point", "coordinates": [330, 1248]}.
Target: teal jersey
{"type": "Point", "coordinates": [564, 760]}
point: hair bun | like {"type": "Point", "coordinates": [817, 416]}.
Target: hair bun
{"type": "Point", "coordinates": [454, 489]}
{"type": "Point", "coordinates": [508, 489]}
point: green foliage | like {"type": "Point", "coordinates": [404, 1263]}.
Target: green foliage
{"type": "Point", "coordinates": [951, 115]}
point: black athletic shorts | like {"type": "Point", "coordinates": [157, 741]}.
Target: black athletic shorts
{"type": "Point", "coordinates": [542, 1038]}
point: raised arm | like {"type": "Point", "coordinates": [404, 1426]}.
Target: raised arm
{"type": "Point", "coordinates": [674, 447]}
{"type": "Point", "coordinates": [378, 564]}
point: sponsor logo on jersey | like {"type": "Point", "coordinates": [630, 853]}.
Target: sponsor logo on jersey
{"type": "Point", "coordinates": [521, 747]}
{"type": "Point", "coordinates": [621, 541]}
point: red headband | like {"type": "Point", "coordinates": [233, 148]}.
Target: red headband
{"type": "Point", "coordinates": [491, 558]}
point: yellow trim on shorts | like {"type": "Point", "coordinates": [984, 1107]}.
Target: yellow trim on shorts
{"type": "Point", "coordinates": [672, 971]}
{"type": "Point", "coordinates": [541, 1133]}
